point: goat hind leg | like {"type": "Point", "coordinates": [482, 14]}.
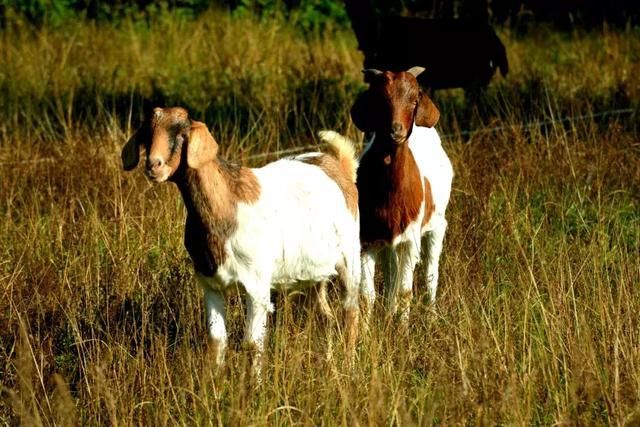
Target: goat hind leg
{"type": "Point", "coordinates": [349, 275]}
{"type": "Point", "coordinates": [367, 286]}
{"type": "Point", "coordinates": [322, 302]}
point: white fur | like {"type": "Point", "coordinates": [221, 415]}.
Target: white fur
{"type": "Point", "coordinates": [297, 233]}
{"type": "Point", "coordinates": [399, 260]}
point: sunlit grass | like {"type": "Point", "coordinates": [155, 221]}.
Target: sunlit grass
{"type": "Point", "coordinates": [101, 322]}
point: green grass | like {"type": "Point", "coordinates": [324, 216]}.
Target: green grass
{"type": "Point", "coordinates": [101, 323]}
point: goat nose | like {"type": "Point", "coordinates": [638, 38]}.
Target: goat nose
{"type": "Point", "coordinates": [396, 127]}
{"type": "Point", "coordinates": [154, 163]}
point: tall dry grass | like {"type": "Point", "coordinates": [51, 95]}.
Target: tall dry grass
{"type": "Point", "coordinates": [101, 322]}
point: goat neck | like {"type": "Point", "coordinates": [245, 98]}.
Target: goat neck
{"type": "Point", "coordinates": [211, 195]}
{"type": "Point", "coordinates": [390, 189]}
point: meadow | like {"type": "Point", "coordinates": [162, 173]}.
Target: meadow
{"type": "Point", "coordinates": [101, 322]}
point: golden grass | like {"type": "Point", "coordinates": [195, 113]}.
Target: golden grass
{"type": "Point", "coordinates": [101, 322]}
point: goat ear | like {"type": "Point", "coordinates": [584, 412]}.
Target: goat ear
{"type": "Point", "coordinates": [131, 151]}
{"type": "Point", "coordinates": [427, 114]}
{"type": "Point", "coordinates": [361, 113]}
{"type": "Point", "coordinates": [201, 147]}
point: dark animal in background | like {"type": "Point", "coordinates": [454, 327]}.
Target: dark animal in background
{"type": "Point", "coordinates": [456, 53]}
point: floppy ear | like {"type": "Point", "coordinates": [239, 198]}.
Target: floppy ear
{"type": "Point", "coordinates": [361, 112]}
{"type": "Point", "coordinates": [201, 147]}
{"type": "Point", "coordinates": [131, 151]}
{"type": "Point", "coordinates": [427, 114]}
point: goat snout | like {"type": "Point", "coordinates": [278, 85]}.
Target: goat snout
{"type": "Point", "coordinates": [154, 164]}
{"type": "Point", "coordinates": [398, 133]}
{"type": "Point", "coordinates": [155, 169]}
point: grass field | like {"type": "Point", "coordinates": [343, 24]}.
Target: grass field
{"type": "Point", "coordinates": [101, 323]}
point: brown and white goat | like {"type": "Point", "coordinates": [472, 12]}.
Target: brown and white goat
{"type": "Point", "coordinates": [290, 223]}
{"type": "Point", "coordinates": [404, 183]}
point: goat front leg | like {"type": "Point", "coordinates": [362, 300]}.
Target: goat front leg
{"type": "Point", "coordinates": [389, 262]}
{"type": "Point", "coordinates": [214, 304]}
{"type": "Point", "coordinates": [435, 241]}
{"type": "Point", "coordinates": [408, 254]}
{"type": "Point", "coordinates": [258, 307]}
{"type": "Point", "coordinates": [367, 286]}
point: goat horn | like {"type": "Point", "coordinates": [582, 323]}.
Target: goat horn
{"type": "Point", "coordinates": [370, 73]}
{"type": "Point", "coordinates": [415, 71]}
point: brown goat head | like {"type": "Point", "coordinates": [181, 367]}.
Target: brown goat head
{"type": "Point", "coordinates": [169, 137]}
{"type": "Point", "coordinates": [392, 104]}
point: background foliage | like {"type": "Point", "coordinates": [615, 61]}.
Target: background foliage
{"type": "Point", "coordinates": [313, 14]}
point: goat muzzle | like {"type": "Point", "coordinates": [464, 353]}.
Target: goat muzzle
{"type": "Point", "coordinates": [398, 134]}
{"type": "Point", "coordinates": [155, 170]}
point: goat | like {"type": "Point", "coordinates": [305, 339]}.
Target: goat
{"type": "Point", "coordinates": [456, 53]}
{"type": "Point", "coordinates": [404, 183]}
{"type": "Point", "coordinates": [288, 224]}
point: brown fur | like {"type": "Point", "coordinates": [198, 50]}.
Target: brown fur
{"type": "Point", "coordinates": [336, 171]}
{"type": "Point", "coordinates": [429, 205]}
{"type": "Point", "coordinates": [211, 195]}
{"type": "Point", "coordinates": [202, 147]}
{"type": "Point", "coordinates": [427, 114]}
{"type": "Point", "coordinates": [390, 195]}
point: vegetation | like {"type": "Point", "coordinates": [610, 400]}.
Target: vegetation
{"type": "Point", "coordinates": [101, 322]}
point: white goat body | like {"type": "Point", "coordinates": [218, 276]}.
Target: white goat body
{"type": "Point", "coordinates": [290, 223]}
{"type": "Point", "coordinates": [299, 231]}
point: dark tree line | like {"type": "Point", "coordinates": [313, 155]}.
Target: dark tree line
{"type": "Point", "coordinates": [564, 14]}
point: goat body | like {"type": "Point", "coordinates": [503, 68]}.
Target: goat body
{"type": "Point", "coordinates": [292, 230]}
{"type": "Point", "coordinates": [402, 201]}
{"type": "Point", "coordinates": [298, 231]}
{"type": "Point", "coordinates": [404, 184]}
{"type": "Point", "coordinates": [288, 224]}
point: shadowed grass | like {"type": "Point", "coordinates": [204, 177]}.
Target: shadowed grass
{"type": "Point", "coordinates": [536, 319]}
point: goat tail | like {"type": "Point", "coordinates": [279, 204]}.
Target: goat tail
{"type": "Point", "coordinates": [343, 149]}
